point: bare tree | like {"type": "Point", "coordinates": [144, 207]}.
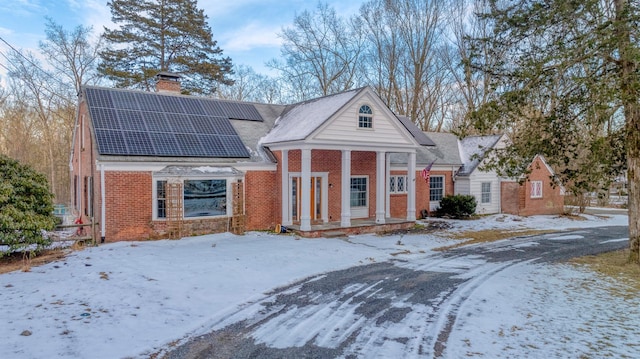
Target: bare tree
{"type": "Point", "coordinates": [251, 86]}
{"type": "Point", "coordinates": [39, 109]}
{"type": "Point", "coordinates": [403, 58]}
{"type": "Point", "coordinates": [72, 56]}
{"type": "Point", "coordinates": [471, 87]}
{"type": "Point", "coordinates": [320, 53]}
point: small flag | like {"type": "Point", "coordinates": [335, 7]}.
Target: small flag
{"type": "Point", "coordinates": [426, 172]}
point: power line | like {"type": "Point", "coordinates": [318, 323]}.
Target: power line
{"type": "Point", "coordinates": [21, 55]}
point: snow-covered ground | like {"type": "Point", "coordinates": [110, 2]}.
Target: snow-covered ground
{"type": "Point", "coordinates": [129, 299]}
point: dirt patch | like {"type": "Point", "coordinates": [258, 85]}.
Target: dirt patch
{"type": "Point", "coordinates": [428, 227]}
{"type": "Point", "coordinates": [615, 265]}
{"type": "Point", "coordinates": [17, 261]}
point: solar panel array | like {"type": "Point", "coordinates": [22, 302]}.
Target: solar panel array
{"type": "Point", "coordinates": [148, 124]}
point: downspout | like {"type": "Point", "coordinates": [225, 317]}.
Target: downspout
{"type": "Point", "coordinates": [103, 205]}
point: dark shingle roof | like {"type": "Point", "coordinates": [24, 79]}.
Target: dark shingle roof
{"type": "Point", "coordinates": [420, 136]}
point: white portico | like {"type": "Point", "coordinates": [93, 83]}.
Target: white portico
{"type": "Point", "coordinates": [333, 158]}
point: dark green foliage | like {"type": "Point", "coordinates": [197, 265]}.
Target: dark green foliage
{"type": "Point", "coordinates": [26, 207]}
{"type": "Point", "coordinates": [558, 87]}
{"type": "Point", "coordinates": [457, 206]}
{"type": "Point", "coordinates": [163, 35]}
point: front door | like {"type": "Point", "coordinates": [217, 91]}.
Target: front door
{"type": "Point", "coordinates": [316, 198]}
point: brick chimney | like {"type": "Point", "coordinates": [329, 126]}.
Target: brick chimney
{"type": "Point", "coordinates": [167, 82]}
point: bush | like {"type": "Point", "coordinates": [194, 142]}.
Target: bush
{"type": "Point", "coordinates": [457, 206]}
{"type": "Point", "coordinates": [26, 207]}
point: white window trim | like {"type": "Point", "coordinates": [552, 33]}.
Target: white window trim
{"type": "Point", "coordinates": [444, 186]}
{"type": "Point", "coordinates": [482, 192]}
{"type": "Point", "coordinates": [536, 193]}
{"type": "Point", "coordinates": [394, 190]}
{"type": "Point", "coordinates": [361, 212]}
{"type": "Point", "coordinates": [370, 116]}
{"type": "Point", "coordinates": [154, 206]}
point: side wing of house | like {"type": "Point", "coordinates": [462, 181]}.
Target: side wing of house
{"type": "Point", "coordinates": [473, 179]}
{"type": "Point", "coordinates": [540, 193]}
{"type": "Point", "coordinates": [153, 165]}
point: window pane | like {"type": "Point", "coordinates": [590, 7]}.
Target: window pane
{"type": "Point", "coordinates": [359, 192]}
{"type": "Point", "coordinates": [204, 198]}
{"type": "Point", "coordinates": [486, 192]}
{"type": "Point", "coordinates": [401, 181]}
{"type": "Point", "coordinates": [365, 122]}
{"type": "Point", "coordinates": [392, 184]}
{"type": "Point", "coordinates": [536, 189]}
{"type": "Point", "coordinates": [365, 118]}
{"type": "Point", "coordinates": [436, 188]}
{"type": "Point", "coordinates": [161, 198]}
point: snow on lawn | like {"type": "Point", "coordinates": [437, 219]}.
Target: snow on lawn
{"type": "Point", "coordinates": [552, 311]}
{"type": "Point", "coordinates": [129, 299]}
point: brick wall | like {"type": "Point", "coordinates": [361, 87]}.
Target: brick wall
{"type": "Point", "coordinates": [552, 202]}
{"type": "Point", "coordinates": [83, 167]}
{"type": "Point", "coordinates": [128, 198]}
{"type": "Point", "coordinates": [398, 202]}
{"type": "Point", "coordinates": [362, 164]}
{"type": "Point", "coordinates": [510, 197]}
{"type": "Point", "coordinates": [516, 198]}
{"type": "Point", "coordinates": [262, 199]}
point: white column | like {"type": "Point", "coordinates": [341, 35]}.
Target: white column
{"type": "Point", "coordinates": [305, 191]}
{"type": "Point", "coordinates": [381, 184]}
{"type": "Point", "coordinates": [411, 187]}
{"type": "Point", "coordinates": [103, 206]}
{"type": "Point", "coordinates": [387, 175]}
{"type": "Point", "coordinates": [286, 191]}
{"type": "Point", "coordinates": [345, 217]}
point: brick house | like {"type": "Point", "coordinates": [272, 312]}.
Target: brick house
{"type": "Point", "coordinates": [155, 165]}
{"type": "Point", "coordinates": [537, 193]}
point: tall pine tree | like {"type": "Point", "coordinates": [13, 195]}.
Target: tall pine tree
{"type": "Point", "coordinates": [568, 81]}
{"type": "Point", "coordinates": [163, 35]}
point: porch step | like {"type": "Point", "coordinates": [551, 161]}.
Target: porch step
{"type": "Point", "coordinates": [333, 234]}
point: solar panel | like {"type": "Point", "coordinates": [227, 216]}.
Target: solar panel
{"type": "Point", "coordinates": [171, 104]}
{"type": "Point", "coordinates": [131, 120]}
{"type": "Point", "coordinates": [147, 124]}
{"type": "Point", "coordinates": [156, 122]}
{"type": "Point", "coordinates": [192, 106]}
{"type": "Point", "coordinates": [124, 100]}
{"type": "Point", "coordinates": [111, 142]}
{"type": "Point", "coordinates": [104, 118]}
{"type": "Point", "coordinates": [138, 143]}
{"type": "Point", "coordinates": [147, 101]}
{"type": "Point", "coordinates": [212, 108]}
{"type": "Point", "coordinates": [99, 98]}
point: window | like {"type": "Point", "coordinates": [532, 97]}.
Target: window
{"type": "Point", "coordinates": [485, 196]}
{"type": "Point", "coordinates": [205, 198]}
{"type": "Point", "coordinates": [397, 184]}
{"type": "Point", "coordinates": [365, 117]}
{"type": "Point", "coordinates": [436, 188]}
{"type": "Point", "coordinates": [536, 189]}
{"type": "Point", "coordinates": [358, 191]}
{"type": "Point", "coordinates": [88, 196]}
{"type": "Point", "coordinates": [161, 198]}
{"type": "Point", "coordinates": [201, 198]}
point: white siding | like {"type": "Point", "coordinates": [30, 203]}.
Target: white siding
{"type": "Point", "coordinates": [475, 189]}
{"type": "Point", "coordinates": [344, 127]}
{"type": "Point", "coordinates": [462, 186]}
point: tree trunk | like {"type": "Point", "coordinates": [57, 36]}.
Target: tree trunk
{"type": "Point", "coordinates": [629, 84]}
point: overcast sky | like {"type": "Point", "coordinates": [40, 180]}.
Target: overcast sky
{"type": "Point", "coordinates": [246, 30]}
